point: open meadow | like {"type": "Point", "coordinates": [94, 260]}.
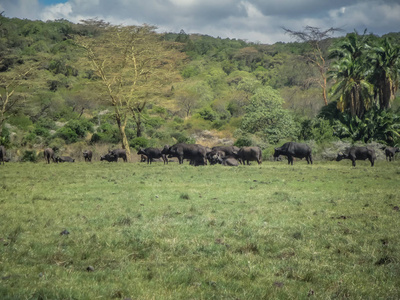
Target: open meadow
{"type": "Point", "coordinates": [136, 231]}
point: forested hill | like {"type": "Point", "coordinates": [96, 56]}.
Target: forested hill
{"type": "Point", "coordinates": [74, 86]}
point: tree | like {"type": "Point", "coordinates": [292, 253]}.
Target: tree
{"type": "Point", "coordinates": [265, 115]}
{"type": "Point", "coordinates": [385, 65]}
{"type": "Point", "coordinates": [133, 64]}
{"type": "Point", "coordinates": [350, 73]}
{"type": "Point", "coordinates": [188, 101]}
{"type": "Point", "coordinates": [315, 37]}
{"type": "Point", "coordinates": [11, 92]}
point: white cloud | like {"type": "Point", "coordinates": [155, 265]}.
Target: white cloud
{"type": "Point", "coordinates": [253, 20]}
{"type": "Point", "coordinates": [58, 11]}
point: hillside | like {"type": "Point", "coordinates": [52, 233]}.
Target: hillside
{"type": "Point", "coordinates": [202, 90]}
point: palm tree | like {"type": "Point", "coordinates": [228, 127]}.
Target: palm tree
{"type": "Point", "coordinates": [349, 73]}
{"type": "Point", "coordinates": [385, 68]}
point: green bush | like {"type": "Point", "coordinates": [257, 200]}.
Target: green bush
{"type": "Point", "coordinates": [243, 142]}
{"type": "Point", "coordinates": [5, 137]}
{"type": "Point", "coordinates": [208, 114]}
{"type": "Point", "coordinates": [139, 142]}
{"type": "Point", "coordinates": [41, 131]}
{"type": "Point", "coordinates": [67, 134]}
{"type": "Point", "coordinates": [29, 156]}
{"type": "Point", "coordinates": [107, 133]}
{"type": "Point", "coordinates": [80, 127]}
{"type": "Point", "coordinates": [316, 129]}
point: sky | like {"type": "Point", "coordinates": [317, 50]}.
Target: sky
{"type": "Point", "coordinates": [258, 21]}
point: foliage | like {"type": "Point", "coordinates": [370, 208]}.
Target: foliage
{"type": "Point", "coordinates": [377, 125]}
{"type": "Point", "coordinates": [29, 156]}
{"type": "Point", "coordinates": [265, 115]}
{"type": "Point", "coordinates": [317, 129]}
{"type": "Point", "coordinates": [106, 133]}
{"type": "Point", "coordinates": [139, 142]}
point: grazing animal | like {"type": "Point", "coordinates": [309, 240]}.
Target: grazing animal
{"type": "Point", "coordinates": [293, 149]}
{"type": "Point", "coordinates": [64, 159]}
{"type": "Point", "coordinates": [143, 158]}
{"type": "Point", "coordinates": [224, 151]}
{"type": "Point", "coordinates": [119, 153]}
{"type": "Point", "coordinates": [194, 152]}
{"type": "Point", "coordinates": [228, 161]}
{"type": "Point", "coordinates": [250, 154]}
{"type": "Point", "coordinates": [2, 154]}
{"type": "Point", "coordinates": [109, 157]}
{"type": "Point", "coordinates": [152, 153]}
{"type": "Point", "coordinates": [390, 152]}
{"type": "Point", "coordinates": [87, 154]}
{"type": "Point", "coordinates": [358, 153]}
{"type": "Point", "coordinates": [49, 154]}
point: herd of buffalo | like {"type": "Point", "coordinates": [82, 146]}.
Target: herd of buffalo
{"type": "Point", "coordinates": [225, 155]}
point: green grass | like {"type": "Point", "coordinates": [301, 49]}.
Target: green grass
{"type": "Point", "coordinates": [328, 231]}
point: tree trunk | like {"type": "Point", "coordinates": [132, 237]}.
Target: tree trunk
{"type": "Point", "coordinates": [138, 125]}
{"type": "Point", "coordinates": [121, 127]}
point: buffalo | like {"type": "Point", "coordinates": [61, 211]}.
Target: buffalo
{"type": "Point", "coordinates": [390, 152]}
{"type": "Point", "coordinates": [109, 157]}
{"type": "Point", "coordinates": [119, 153]}
{"type": "Point", "coordinates": [222, 151]}
{"type": "Point", "coordinates": [193, 152]}
{"type": "Point", "coordinates": [87, 154]}
{"type": "Point", "coordinates": [250, 154]}
{"type": "Point", "coordinates": [152, 153]}
{"type": "Point", "coordinates": [49, 154]}
{"type": "Point", "coordinates": [228, 161]}
{"type": "Point", "coordinates": [292, 149]}
{"type": "Point", "coordinates": [2, 154]}
{"type": "Point", "coordinates": [64, 159]}
{"type": "Point", "coordinates": [358, 153]}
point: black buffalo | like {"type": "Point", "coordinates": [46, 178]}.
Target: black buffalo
{"type": "Point", "coordinates": [152, 153]}
{"type": "Point", "coordinates": [2, 154]}
{"type": "Point", "coordinates": [64, 159]}
{"type": "Point", "coordinates": [358, 153]}
{"type": "Point", "coordinates": [49, 154]}
{"type": "Point", "coordinates": [228, 161]}
{"type": "Point", "coordinates": [223, 152]}
{"type": "Point", "coordinates": [87, 154]}
{"type": "Point", "coordinates": [193, 152]}
{"type": "Point", "coordinates": [390, 152]}
{"type": "Point", "coordinates": [119, 153]}
{"type": "Point", "coordinates": [109, 157]}
{"type": "Point", "coordinates": [292, 149]}
{"type": "Point", "coordinates": [247, 154]}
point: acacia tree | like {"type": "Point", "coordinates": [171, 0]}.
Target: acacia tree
{"type": "Point", "coordinates": [314, 36]}
{"type": "Point", "coordinates": [132, 65]}
{"type": "Point", "coordinates": [11, 92]}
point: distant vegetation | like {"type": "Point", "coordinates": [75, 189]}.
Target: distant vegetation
{"type": "Point", "coordinates": [63, 86]}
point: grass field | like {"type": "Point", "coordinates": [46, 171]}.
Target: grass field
{"type": "Point", "coordinates": [137, 231]}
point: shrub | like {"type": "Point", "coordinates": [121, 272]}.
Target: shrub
{"type": "Point", "coordinates": [5, 137]}
{"type": "Point", "coordinates": [106, 133]}
{"type": "Point", "coordinates": [67, 134]}
{"type": "Point", "coordinates": [316, 129]}
{"type": "Point", "coordinates": [29, 155]}
{"type": "Point", "coordinates": [139, 142]}
{"type": "Point", "coordinates": [41, 131]}
{"type": "Point", "coordinates": [243, 142]}
{"type": "Point", "coordinates": [208, 114]}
